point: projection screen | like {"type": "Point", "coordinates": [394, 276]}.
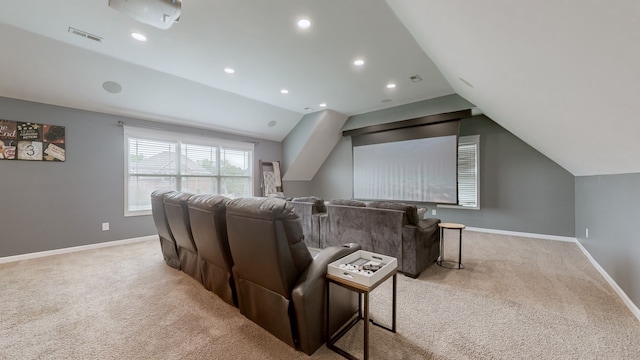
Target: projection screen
{"type": "Point", "coordinates": [395, 165]}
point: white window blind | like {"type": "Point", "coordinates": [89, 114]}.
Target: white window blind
{"type": "Point", "coordinates": [468, 171]}
{"type": "Point", "coordinates": [235, 170]}
{"type": "Point", "coordinates": [162, 160]}
{"type": "Point", "coordinates": [151, 165]}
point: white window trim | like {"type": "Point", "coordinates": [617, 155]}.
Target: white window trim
{"type": "Point", "coordinates": [467, 140]}
{"type": "Point", "coordinates": [154, 134]}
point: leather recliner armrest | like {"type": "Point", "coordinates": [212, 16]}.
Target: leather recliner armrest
{"type": "Point", "coordinates": [309, 295]}
{"type": "Point", "coordinates": [318, 267]}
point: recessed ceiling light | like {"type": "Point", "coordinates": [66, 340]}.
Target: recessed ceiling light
{"type": "Point", "coordinates": [272, 123]}
{"type": "Point", "coordinates": [358, 62]}
{"type": "Point", "coordinates": [138, 36]}
{"type": "Point", "coordinates": [284, 91]}
{"type": "Point", "coordinates": [229, 70]}
{"type": "Point", "coordinates": [391, 86]}
{"type": "Point", "coordinates": [304, 23]}
{"type": "Point", "coordinates": [323, 105]}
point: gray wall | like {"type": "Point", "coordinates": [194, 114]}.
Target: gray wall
{"type": "Point", "coordinates": [334, 180]}
{"type": "Point", "coordinates": [53, 205]}
{"type": "Point", "coordinates": [608, 205]}
{"type": "Point", "coordinates": [295, 140]}
{"type": "Point", "coordinates": [296, 188]}
{"type": "Point", "coordinates": [520, 189]}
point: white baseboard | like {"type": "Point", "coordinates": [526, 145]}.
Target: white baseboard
{"type": "Point", "coordinates": [522, 234]}
{"type": "Point", "coordinates": [623, 296]}
{"type": "Point", "coordinates": [8, 259]}
{"type": "Point", "coordinates": [633, 307]}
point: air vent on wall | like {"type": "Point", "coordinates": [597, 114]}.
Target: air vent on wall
{"type": "Point", "coordinates": [85, 34]}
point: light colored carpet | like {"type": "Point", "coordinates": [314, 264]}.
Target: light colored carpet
{"type": "Point", "coordinates": [518, 298]}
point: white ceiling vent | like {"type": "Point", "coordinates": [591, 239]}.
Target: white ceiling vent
{"type": "Point", "coordinates": [159, 13]}
{"type": "Point", "coordinates": [415, 78]}
{"type": "Point", "coordinates": [85, 34]}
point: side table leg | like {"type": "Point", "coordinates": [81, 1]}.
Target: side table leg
{"type": "Point", "coordinates": [327, 331]}
{"type": "Point", "coordinates": [394, 307]}
{"type": "Point", "coordinates": [460, 250]}
{"type": "Point", "coordinates": [441, 246]}
{"type": "Point", "coordinates": [366, 326]}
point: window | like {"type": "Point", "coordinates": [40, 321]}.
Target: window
{"type": "Point", "coordinates": [161, 160]}
{"type": "Point", "coordinates": [468, 173]}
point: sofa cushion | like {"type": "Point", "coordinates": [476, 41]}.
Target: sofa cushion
{"type": "Point", "coordinates": [316, 201]}
{"type": "Point", "coordinates": [411, 211]}
{"type": "Point", "coordinates": [348, 202]}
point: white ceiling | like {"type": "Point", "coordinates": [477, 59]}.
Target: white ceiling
{"type": "Point", "coordinates": [564, 76]}
{"type": "Point", "coordinates": [177, 75]}
{"type": "Point", "coordinates": [561, 75]}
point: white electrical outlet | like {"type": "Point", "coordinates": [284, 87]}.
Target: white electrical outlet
{"type": "Point", "coordinates": [586, 232]}
{"type": "Point", "coordinates": [433, 211]}
{"type": "Point", "coordinates": [105, 226]}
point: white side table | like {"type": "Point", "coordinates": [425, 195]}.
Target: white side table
{"type": "Point", "coordinates": [445, 263]}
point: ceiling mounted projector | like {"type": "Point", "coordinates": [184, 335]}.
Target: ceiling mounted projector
{"type": "Point", "coordinates": [159, 13]}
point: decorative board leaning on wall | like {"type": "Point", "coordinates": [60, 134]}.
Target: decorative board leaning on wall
{"type": "Point", "coordinates": [31, 141]}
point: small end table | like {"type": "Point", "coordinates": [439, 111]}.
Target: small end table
{"type": "Point", "coordinates": [362, 290]}
{"type": "Point", "coordinates": [445, 263]}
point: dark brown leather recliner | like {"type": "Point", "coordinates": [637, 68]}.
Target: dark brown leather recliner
{"type": "Point", "coordinates": [167, 242]}
{"type": "Point", "coordinates": [175, 205]}
{"type": "Point", "coordinates": [209, 229]}
{"type": "Point", "coordinates": [280, 286]}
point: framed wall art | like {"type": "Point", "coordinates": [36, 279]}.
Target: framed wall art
{"type": "Point", "coordinates": [31, 141]}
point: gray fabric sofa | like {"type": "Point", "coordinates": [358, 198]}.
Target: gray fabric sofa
{"type": "Point", "coordinates": [387, 228]}
{"type": "Point", "coordinates": [309, 210]}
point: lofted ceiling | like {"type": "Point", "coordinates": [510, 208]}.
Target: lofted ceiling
{"type": "Point", "coordinates": [561, 75]}
{"type": "Point", "coordinates": [177, 75]}
{"type": "Point", "coordinates": [564, 76]}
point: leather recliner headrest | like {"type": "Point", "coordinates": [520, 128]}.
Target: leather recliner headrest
{"type": "Point", "coordinates": [177, 198]}
{"type": "Point", "coordinates": [208, 203]}
{"type": "Point", "coordinates": [261, 208]}
{"type": "Point", "coordinates": [160, 194]}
